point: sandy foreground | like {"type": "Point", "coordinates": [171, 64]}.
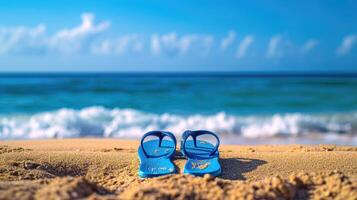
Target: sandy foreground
{"type": "Point", "coordinates": [107, 169]}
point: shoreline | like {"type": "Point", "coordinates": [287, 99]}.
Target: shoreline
{"type": "Point", "coordinates": [314, 139]}
{"type": "Point", "coordinates": [107, 169]}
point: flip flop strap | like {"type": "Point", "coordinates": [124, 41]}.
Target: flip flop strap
{"type": "Point", "coordinates": [194, 135]}
{"type": "Point", "coordinates": [160, 135]}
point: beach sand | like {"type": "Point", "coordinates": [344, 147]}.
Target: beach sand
{"type": "Point", "coordinates": [107, 169]}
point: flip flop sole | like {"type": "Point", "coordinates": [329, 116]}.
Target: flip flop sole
{"type": "Point", "coordinates": [152, 167]}
{"type": "Point", "coordinates": [200, 167]}
{"type": "Point", "coordinates": [156, 167]}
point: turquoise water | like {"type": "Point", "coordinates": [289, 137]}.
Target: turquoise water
{"type": "Point", "coordinates": [179, 94]}
{"type": "Point", "coordinates": [242, 105]}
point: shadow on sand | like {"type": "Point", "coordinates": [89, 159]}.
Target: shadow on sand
{"type": "Point", "coordinates": [233, 168]}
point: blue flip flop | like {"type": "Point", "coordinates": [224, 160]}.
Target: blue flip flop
{"type": "Point", "coordinates": [155, 155]}
{"type": "Point", "coordinates": [202, 156]}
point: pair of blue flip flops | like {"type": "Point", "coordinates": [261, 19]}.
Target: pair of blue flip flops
{"type": "Point", "coordinates": [155, 155]}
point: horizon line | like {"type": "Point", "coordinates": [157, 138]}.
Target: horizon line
{"type": "Point", "coordinates": [272, 73]}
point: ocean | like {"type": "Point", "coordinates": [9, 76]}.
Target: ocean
{"type": "Point", "coordinates": [242, 108]}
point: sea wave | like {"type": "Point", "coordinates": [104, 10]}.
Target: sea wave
{"type": "Point", "coordinates": [98, 121]}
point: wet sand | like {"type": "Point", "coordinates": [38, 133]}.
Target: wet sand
{"type": "Point", "coordinates": [107, 169]}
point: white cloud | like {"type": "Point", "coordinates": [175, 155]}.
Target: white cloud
{"type": "Point", "coordinates": [89, 37]}
{"type": "Point", "coordinates": [172, 44]}
{"type": "Point", "coordinates": [228, 40]}
{"type": "Point", "coordinates": [79, 38]}
{"type": "Point", "coordinates": [347, 44]}
{"type": "Point", "coordinates": [207, 42]}
{"type": "Point", "coordinates": [155, 44]}
{"type": "Point", "coordinates": [36, 40]}
{"type": "Point", "coordinates": [22, 39]}
{"type": "Point", "coordinates": [121, 45]}
{"type": "Point", "coordinates": [104, 47]}
{"type": "Point", "coordinates": [309, 45]}
{"type": "Point", "coordinates": [273, 50]}
{"type": "Point", "coordinates": [244, 45]}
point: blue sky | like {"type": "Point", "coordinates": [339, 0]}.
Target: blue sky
{"type": "Point", "coordinates": [82, 35]}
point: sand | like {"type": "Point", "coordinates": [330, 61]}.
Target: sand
{"type": "Point", "coordinates": [107, 169]}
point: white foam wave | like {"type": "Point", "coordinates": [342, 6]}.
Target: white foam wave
{"type": "Point", "coordinates": [129, 123]}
